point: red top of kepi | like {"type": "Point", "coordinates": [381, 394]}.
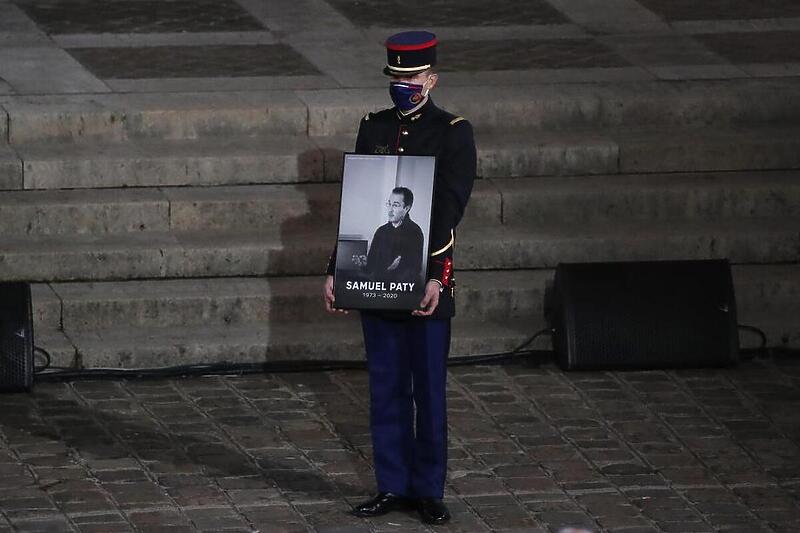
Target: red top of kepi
{"type": "Point", "coordinates": [409, 53]}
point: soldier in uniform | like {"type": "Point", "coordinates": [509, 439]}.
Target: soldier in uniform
{"type": "Point", "coordinates": [407, 353]}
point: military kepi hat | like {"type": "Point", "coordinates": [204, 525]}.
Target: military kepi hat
{"type": "Point", "coordinates": [409, 53]}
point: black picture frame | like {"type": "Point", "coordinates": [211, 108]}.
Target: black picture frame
{"type": "Point", "coordinates": [383, 242]}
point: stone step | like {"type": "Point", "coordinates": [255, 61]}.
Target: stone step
{"type": "Point", "coordinates": [225, 301]}
{"type": "Point", "coordinates": [761, 290]}
{"type": "Point", "coordinates": [292, 159]}
{"type": "Point", "coordinates": [682, 196]}
{"type": "Point", "coordinates": [766, 293]}
{"type": "Point", "coordinates": [338, 338]}
{"type": "Point", "coordinates": [10, 168]}
{"type": "Point", "coordinates": [127, 116]}
{"type": "Point", "coordinates": [757, 240]}
{"type": "Point", "coordinates": [97, 211]}
{"type": "Point", "coordinates": [504, 154]}
{"type": "Point", "coordinates": [219, 208]}
{"type": "Point", "coordinates": [109, 211]}
{"type": "Point", "coordinates": [148, 163]}
{"type": "Point", "coordinates": [122, 117]}
{"type": "Point", "coordinates": [586, 199]}
{"type": "Point", "coordinates": [633, 151]}
{"type": "Point", "coordinates": [166, 255]}
{"type": "Point", "coordinates": [704, 150]}
{"type": "Point", "coordinates": [303, 250]}
{"type": "Point", "coordinates": [549, 107]}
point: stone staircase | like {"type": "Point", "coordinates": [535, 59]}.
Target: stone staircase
{"type": "Point", "coordinates": [164, 229]}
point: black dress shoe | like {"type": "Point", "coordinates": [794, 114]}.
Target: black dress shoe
{"type": "Point", "coordinates": [432, 511]}
{"type": "Point", "coordinates": [381, 504]}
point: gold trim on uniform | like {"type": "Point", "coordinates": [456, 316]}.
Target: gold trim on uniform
{"type": "Point", "coordinates": [449, 244]}
{"type": "Point", "coordinates": [456, 120]}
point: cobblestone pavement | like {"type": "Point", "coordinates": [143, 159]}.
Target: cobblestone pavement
{"type": "Point", "coordinates": [723, 9]}
{"type": "Point", "coordinates": [198, 61]}
{"type": "Point", "coordinates": [531, 449]}
{"type": "Point", "coordinates": [392, 13]}
{"type": "Point", "coordinates": [96, 46]}
{"type": "Point", "coordinates": [139, 16]}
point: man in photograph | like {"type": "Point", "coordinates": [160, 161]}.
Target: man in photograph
{"type": "Point", "coordinates": [407, 351]}
{"type": "Point", "coordinates": [395, 253]}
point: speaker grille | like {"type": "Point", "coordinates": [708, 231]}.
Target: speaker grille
{"type": "Point", "coordinates": [16, 337]}
{"type": "Point", "coordinates": [644, 315]}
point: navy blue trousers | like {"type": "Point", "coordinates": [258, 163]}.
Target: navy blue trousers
{"type": "Point", "coordinates": [407, 362]}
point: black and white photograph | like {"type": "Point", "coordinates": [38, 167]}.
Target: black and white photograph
{"type": "Point", "coordinates": [384, 224]}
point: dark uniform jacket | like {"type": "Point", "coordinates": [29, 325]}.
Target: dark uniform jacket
{"type": "Point", "coordinates": [388, 243]}
{"type": "Point", "coordinates": [429, 131]}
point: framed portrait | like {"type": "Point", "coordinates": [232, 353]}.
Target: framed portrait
{"type": "Point", "coordinates": [384, 228]}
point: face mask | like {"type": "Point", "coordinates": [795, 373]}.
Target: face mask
{"type": "Point", "coordinates": [406, 96]}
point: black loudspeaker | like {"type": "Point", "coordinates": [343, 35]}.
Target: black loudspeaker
{"type": "Point", "coordinates": [664, 314]}
{"type": "Point", "coordinates": [16, 337]}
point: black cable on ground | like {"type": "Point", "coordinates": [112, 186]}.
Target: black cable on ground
{"type": "Point", "coordinates": [519, 353]}
{"type": "Point", "coordinates": [764, 352]}
{"type": "Point", "coordinates": [752, 353]}
{"type": "Point", "coordinates": [41, 351]}
{"type": "Point", "coordinates": [228, 369]}
{"type": "Point", "coordinates": [505, 356]}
